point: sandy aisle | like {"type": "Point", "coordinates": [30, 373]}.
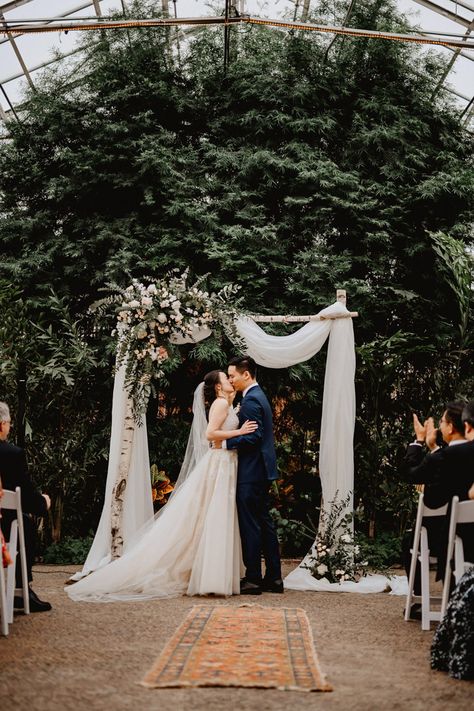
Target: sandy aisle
{"type": "Point", "coordinates": [89, 657]}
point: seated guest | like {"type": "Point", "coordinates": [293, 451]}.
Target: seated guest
{"type": "Point", "coordinates": [444, 472]}
{"type": "Point", "coordinates": [453, 643]}
{"type": "Point", "coordinates": [14, 472]}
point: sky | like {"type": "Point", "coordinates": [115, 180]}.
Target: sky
{"type": "Point", "coordinates": [35, 49]}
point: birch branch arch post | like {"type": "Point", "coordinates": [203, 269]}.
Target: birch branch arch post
{"type": "Point", "coordinates": [157, 318]}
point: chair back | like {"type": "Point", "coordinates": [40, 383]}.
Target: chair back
{"type": "Point", "coordinates": [465, 511]}
{"type": "Point", "coordinates": [11, 501]}
{"type": "Point", "coordinates": [4, 612]}
{"type": "Point", "coordinates": [461, 512]}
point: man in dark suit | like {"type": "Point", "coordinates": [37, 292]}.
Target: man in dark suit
{"type": "Point", "coordinates": [13, 473]}
{"type": "Point", "coordinates": [445, 472]}
{"type": "Point", "coordinates": [256, 469]}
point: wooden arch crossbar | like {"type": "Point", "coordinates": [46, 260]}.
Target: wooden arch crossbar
{"type": "Point", "coordinates": [340, 296]}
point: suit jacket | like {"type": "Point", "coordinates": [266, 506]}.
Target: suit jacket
{"type": "Point", "coordinates": [257, 457]}
{"type": "Point", "coordinates": [445, 473]}
{"type": "Point", "coordinates": [13, 473]}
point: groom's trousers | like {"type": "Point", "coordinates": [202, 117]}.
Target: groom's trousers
{"type": "Point", "coordinates": [257, 532]}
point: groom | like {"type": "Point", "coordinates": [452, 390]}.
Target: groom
{"type": "Point", "coordinates": [256, 468]}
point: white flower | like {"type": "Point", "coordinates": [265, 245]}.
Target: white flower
{"type": "Point", "coordinates": [322, 553]}
{"type": "Point", "coordinates": [339, 572]}
{"type": "Point", "coordinates": [321, 569]}
{"type": "Point", "coordinates": [153, 355]}
{"type": "Point", "coordinates": [152, 289]}
{"type": "Point", "coordinates": [176, 305]}
{"type": "Point", "coordinates": [134, 304]}
{"type": "Point", "coordinates": [147, 300]}
{"type": "Point", "coordinates": [347, 577]}
{"type": "Point", "coordinates": [162, 317]}
{"type": "Point", "coordinates": [357, 550]}
{"type": "Point", "coordinates": [345, 538]}
{"type": "Point", "coordinates": [164, 304]}
{"type": "Point", "coordinates": [178, 317]}
{"type": "Point", "coordinates": [129, 288]}
{"type": "Point", "coordinates": [141, 334]}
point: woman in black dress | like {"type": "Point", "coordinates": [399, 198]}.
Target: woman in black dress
{"type": "Point", "coordinates": [453, 644]}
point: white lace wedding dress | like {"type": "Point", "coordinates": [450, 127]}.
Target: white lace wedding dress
{"type": "Point", "coordinates": [192, 548]}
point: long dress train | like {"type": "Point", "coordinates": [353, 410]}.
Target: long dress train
{"type": "Point", "coordinates": [192, 548]}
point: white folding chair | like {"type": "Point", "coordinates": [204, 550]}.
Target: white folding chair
{"type": "Point", "coordinates": [420, 552]}
{"type": "Point", "coordinates": [11, 500]}
{"type": "Point", "coordinates": [461, 512]}
{"type": "Point", "coordinates": [3, 601]}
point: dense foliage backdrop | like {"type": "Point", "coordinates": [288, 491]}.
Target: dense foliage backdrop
{"type": "Point", "coordinates": [299, 171]}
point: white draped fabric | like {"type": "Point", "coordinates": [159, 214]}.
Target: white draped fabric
{"type": "Point", "coordinates": [138, 503]}
{"type": "Point", "coordinates": [336, 459]}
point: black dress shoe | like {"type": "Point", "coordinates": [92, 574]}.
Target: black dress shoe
{"type": "Point", "coordinates": [36, 605]}
{"type": "Point", "coordinates": [415, 611]}
{"type": "Point", "coordinates": [248, 588]}
{"type": "Point", "coordinates": [273, 586]}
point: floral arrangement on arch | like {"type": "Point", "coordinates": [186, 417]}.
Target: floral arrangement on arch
{"type": "Point", "coordinates": [155, 316]}
{"type": "Point", "coordinates": [335, 557]}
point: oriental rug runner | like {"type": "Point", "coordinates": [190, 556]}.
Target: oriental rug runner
{"type": "Point", "coordinates": [249, 645]}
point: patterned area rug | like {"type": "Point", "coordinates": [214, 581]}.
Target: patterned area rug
{"type": "Point", "coordinates": [249, 645]}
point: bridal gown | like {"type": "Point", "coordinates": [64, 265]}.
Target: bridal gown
{"type": "Point", "coordinates": [192, 547]}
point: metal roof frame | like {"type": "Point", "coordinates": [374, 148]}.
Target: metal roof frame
{"type": "Point", "coordinates": [460, 12]}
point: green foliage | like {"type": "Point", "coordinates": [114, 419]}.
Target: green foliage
{"type": "Point", "coordinates": [380, 553]}
{"type": "Point", "coordinates": [70, 551]}
{"type": "Point", "coordinates": [299, 171]}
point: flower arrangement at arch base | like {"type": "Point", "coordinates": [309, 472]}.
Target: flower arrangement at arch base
{"type": "Point", "coordinates": [334, 556]}
{"type": "Point", "coordinates": [155, 317]}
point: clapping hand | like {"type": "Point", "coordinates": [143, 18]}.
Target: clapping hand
{"type": "Point", "coordinates": [431, 433]}
{"type": "Point", "coordinates": [420, 429]}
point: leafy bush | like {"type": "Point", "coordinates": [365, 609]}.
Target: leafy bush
{"type": "Point", "coordinates": [381, 552]}
{"type": "Point", "coordinates": [70, 551]}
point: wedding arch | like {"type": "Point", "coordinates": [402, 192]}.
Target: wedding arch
{"type": "Point", "coordinates": [156, 317]}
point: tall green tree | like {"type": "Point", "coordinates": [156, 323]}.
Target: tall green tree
{"type": "Point", "coordinates": [300, 170]}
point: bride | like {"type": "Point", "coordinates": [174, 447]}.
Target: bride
{"type": "Point", "coordinates": [192, 546]}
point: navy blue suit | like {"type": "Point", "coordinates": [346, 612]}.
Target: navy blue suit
{"type": "Point", "coordinates": [256, 468]}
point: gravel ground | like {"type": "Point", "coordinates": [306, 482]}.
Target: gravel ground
{"type": "Point", "coordinates": [89, 657]}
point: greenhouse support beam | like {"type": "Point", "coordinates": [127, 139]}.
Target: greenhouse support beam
{"type": "Point", "coordinates": [72, 11]}
{"type": "Point", "coordinates": [18, 53]}
{"type": "Point", "coordinates": [451, 62]}
{"type": "Point", "coordinates": [442, 11]}
{"type": "Point", "coordinates": [97, 9]}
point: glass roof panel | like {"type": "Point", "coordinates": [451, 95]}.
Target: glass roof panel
{"type": "Point", "coordinates": [446, 16]}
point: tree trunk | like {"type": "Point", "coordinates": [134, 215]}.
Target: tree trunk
{"type": "Point", "coordinates": [116, 523]}
{"type": "Point", "coordinates": [57, 508]}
